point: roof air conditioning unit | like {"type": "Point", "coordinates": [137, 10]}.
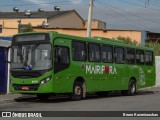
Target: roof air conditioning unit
{"type": "Point", "coordinates": [40, 10]}
{"type": "Point", "coordinates": [15, 9]}
{"type": "Point", "coordinates": [27, 13]}
{"type": "Point", "coordinates": [56, 8]}
{"type": "Point", "coordinates": [45, 24]}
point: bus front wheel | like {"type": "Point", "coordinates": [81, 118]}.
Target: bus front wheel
{"type": "Point", "coordinates": [77, 93]}
{"type": "Point", "coordinates": [131, 88]}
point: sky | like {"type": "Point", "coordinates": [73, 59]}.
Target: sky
{"type": "Point", "coordinates": [118, 14]}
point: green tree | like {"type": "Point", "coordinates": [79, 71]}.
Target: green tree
{"type": "Point", "coordinates": [128, 40]}
{"type": "Point", "coordinates": [151, 44]}
{"type": "Point", "coordinates": [154, 45]}
{"type": "Point", "coordinates": [29, 28]}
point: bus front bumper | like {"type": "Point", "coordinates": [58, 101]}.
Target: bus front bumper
{"type": "Point", "coordinates": [32, 88]}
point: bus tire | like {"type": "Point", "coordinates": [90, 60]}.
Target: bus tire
{"type": "Point", "coordinates": [77, 93]}
{"type": "Point", "coordinates": [131, 88]}
{"type": "Point", "coordinates": [43, 96]}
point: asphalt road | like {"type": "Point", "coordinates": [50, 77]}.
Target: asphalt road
{"type": "Point", "coordinates": [143, 101]}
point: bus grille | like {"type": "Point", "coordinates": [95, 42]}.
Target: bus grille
{"type": "Point", "coordinates": [33, 87]}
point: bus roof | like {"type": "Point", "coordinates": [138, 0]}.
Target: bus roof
{"type": "Point", "coordinates": [100, 40]}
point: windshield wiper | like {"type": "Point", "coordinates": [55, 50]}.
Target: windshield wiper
{"type": "Point", "coordinates": [28, 50]}
{"type": "Point", "coordinates": [34, 47]}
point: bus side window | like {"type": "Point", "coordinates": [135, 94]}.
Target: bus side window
{"type": "Point", "coordinates": [119, 55]}
{"type": "Point", "coordinates": [107, 54]}
{"type": "Point", "coordinates": [130, 56]}
{"type": "Point", "coordinates": [79, 51]}
{"type": "Point", "coordinates": [149, 58]}
{"type": "Point", "coordinates": [94, 52]}
{"type": "Point", "coordinates": [140, 57]}
{"type": "Point", "coordinates": [61, 58]}
{"type": "Point", "coordinates": [61, 55]}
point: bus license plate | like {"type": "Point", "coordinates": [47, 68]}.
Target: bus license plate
{"type": "Point", "coordinates": [25, 88]}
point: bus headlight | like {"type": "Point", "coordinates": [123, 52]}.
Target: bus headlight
{"type": "Point", "coordinates": [45, 80]}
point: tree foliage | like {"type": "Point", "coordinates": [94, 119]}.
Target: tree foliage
{"type": "Point", "coordinates": [128, 40]}
{"type": "Point", "coordinates": [29, 28]}
{"type": "Point", "coordinates": [154, 45]}
{"type": "Point", "coordinates": [151, 44]}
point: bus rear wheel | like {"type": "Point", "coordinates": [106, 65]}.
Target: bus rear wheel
{"type": "Point", "coordinates": [131, 89]}
{"type": "Point", "coordinates": [77, 93]}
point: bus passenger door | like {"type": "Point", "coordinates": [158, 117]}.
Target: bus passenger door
{"type": "Point", "coordinates": [150, 68]}
{"type": "Point", "coordinates": [61, 82]}
{"type": "Point", "coordinates": [119, 69]}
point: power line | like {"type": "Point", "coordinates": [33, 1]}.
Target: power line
{"type": "Point", "coordinates": [104, 4]}
{"type": "Point", "coordinates": [156, 2]}
{"type": "Point", "coordinates": [111, 15]}
{"type": "Point", "coordinates": [138, 5]}
{"type": "Point", "coordinates": [117, 13]}
{"type": "Point", "coordinates": [153, 21]}
{"type": "Point", "coordinates": [104, 11]}
{"type": "Point", "coordinates": [146, 3]}
{"type": "Point", "coordinates": [150, 3]}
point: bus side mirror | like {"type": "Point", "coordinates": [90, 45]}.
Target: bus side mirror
{"type": "Point", "coordinates": [7, 51]}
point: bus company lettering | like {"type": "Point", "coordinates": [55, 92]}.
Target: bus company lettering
{"type": "Point", "coordinates": [100, 69]}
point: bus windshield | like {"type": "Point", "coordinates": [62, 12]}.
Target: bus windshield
{"type": "Point", "coordinates": [31, 57]}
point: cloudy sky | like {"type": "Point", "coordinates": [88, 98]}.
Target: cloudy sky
{"type": "Point", "coordinates": [118, 14]}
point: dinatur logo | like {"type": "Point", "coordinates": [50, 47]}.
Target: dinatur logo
{"type": "Point", "coordinates": [97, 69]}
{"type": "Point", "coordinates": [27, 67]}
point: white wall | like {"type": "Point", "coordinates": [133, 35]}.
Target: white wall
{"type": "Point", "coordinates": [157, 70]}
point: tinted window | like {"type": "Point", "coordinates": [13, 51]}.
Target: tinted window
{"type": "Point", "coordinates": [61, 58]}
{"type": "Point", "coordinates": [149, 58]}
{"type": "Point", "coordinates": [140, 57]}
{"type": "Point", "coordinates": [38, 56]}
{"type": "Point", "coordinates": [119, 55]}
{"type": "Point", "coordinates": [79, 51]}
{"type": "Point", "coordinates": [107, 53]}
{"type": "Point", "coordinates": [94, 52]}
{"type": "Point", "coordinates": [61, 55]}
{"type": "Point", "coordinates": [0, 28]}
{"type": "Point", "coordinates": [130, 56]}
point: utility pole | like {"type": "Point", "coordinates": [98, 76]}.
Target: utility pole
{"type": "Point", "coordinates": [89, 27]}
{"type": "Point", "coordinates": [146, 3]}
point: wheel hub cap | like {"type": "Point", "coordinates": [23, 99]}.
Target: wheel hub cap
{"type": "Point", "coordinates": [77, 90]}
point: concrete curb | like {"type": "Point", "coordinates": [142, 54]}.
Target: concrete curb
{"type": "Point", "coordinates": [150, 89]}
{"type": "Point", "coordinates": [9, 97]}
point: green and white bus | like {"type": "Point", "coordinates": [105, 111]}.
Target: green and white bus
{"type": "Point", "coordinates": [52, 63]}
